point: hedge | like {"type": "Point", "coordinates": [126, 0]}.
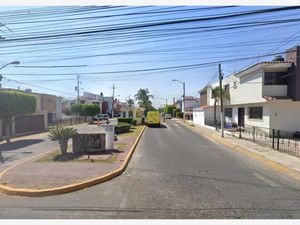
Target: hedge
{"type": "Point", "coordinates": [125, 120]}
{"type": "Point", "coordinates": [179, 115]}
{"type": "Point", "coordinates": [122, 128]}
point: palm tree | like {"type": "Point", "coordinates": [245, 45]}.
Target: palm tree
{"type": "Point", "coordinates": [143, 98]}
{"type": "Point", "coordinates": [216, 94]}
{"type": "Point", "coordinates": [62, 135]}
{"type": "Point", "coordinates": [130, 102]}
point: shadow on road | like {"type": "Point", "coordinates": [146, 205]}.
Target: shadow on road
{"type": "Point", "coordinates": [19, 144]}
{"type": "Point", "coordinates": [161, 126]}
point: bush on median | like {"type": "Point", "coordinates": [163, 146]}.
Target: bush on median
{"type": "Point", "coordinates": [134, 122]}
{"type": "Point", "coordinates": [125, 120]}
{"type": "Point", "coordinates": [122, 128]}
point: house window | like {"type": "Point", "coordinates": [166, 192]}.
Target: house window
{"type": "Point", "coordinates": [275, 78]}
{"type": "Point", "coordinates": [255, 113]}
{"type": "Point", "coordinates": [228, 112]}
{"type": "Point", "coordinates": [226, 88]}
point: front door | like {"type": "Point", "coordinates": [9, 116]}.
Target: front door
{"type": "Point", "coordinates": [241, 117]}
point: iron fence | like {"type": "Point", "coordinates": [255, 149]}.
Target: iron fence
{"type": "Point", "coordinates": [67, 122]}
{"type": "Point", "coordinates": [284, 141]}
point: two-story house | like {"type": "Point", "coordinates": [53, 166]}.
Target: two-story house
{"type": "Point", "coordinates": [266, 94]}
{"type": "Point", "coordinates": [190, 103]}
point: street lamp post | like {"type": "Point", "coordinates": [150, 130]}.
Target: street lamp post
{"type": "Point", "coordinates": [11, 63]}
{"type": "Point", "coordinates": [183, 85]}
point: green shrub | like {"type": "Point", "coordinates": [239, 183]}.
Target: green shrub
{"type": "Point", "coordinates": [122, 128]}
{"type": "Point", "coordinates": [179, 115]}
{"type": "Point", "coordinates": [125, 120]}
{"type": "Point", "coordinates": [134, 122]}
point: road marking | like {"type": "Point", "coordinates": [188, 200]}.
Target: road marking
{"type": "Point", "coordinates": [168, 128]}
{"type": "Point", "coordinates": [176, 125]}
{"type": "Point", "coordinates": [261, 177]}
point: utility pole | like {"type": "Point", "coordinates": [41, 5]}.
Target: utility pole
{"type": "Point", "coordinates": [78, 89]}
{"type": "Point", "coordinates": [221, 96]}
{"type": "Point", "coordinates": [184, 102]}
{"type": "Point", "coordinates": [113, 101]}
{"type": "Point", "coordinates": [173, 100]}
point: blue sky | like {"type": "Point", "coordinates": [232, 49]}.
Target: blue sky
{"type": "Point", "coordinates": [102, 54]}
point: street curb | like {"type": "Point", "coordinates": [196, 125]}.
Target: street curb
{"type": "Point", "coordinates": [244, 151]}
{"type": "Point", "coordinates": [72, 187]}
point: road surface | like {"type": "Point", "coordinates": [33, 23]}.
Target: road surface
{"type": "Point", "coordinates": [174, 173]}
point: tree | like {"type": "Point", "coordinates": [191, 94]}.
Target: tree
{"type": "Point", "coordinates": [62, 135]}
{"type": "Point", "coordinates": [143, 98]}
{"type": "Point", "coordinates": [15, 103]}
{"type": "Point", "coordinates": [67, 112]}
{"type": "Point", "coordinates": [130, 102]}
{"type": "Point", "coordinates": [169, 109]}
{"type": "Point", "coordinates": [90, 109]}
{"type": "Point", "coordinates": [76, 109]}
{"type": "Point", "coordinates": [216, 94]}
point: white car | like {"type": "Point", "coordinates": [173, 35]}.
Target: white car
{"type": "Point", "coordinates": [168, 116]}
{"type": "Point", "coordinates": [101, 117]}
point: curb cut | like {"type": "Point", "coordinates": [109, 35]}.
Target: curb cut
{"type": "Point", "coordinates": [72, 187]}
{"type": "Point", "coordinates": [244, 151]}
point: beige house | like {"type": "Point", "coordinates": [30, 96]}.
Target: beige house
{"type": "Point", "coordinates": [48, 109]}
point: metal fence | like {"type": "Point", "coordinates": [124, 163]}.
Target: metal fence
{"type": "Point", "coordinates": [284, 141]}
{"type": "Point", "coordinates": [67, 122]}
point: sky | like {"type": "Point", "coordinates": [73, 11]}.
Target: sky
{"type": "Point", "coordinates": [112, 45]}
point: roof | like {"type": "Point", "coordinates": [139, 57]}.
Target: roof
{"type": "Point", "coordinates": [262, 65]}
{"type": "Point", "coordinates": [271, 98]}
{"type": "Point", "coordinates": [198, 108]}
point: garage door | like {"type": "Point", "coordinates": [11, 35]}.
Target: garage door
{"type": "Point", "coordinates": [30, 123]}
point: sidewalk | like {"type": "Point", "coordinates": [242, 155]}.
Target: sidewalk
{"type": "Point", "coordinates": [283, 159]}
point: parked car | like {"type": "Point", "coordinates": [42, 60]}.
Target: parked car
{"type": "Point", "coordinates": [117, 115]}
{"type": "Point", "coordinates": [101, 117]}
{"type": "Point", "coordinates": [168, 116]}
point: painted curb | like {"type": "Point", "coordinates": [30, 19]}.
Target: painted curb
{"type": "Point", "coordinates": [72, 187]}
{"type": "Point", "coordinates": [244, 151]}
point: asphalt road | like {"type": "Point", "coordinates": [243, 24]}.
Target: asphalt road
{"type": "Point", "coordinates": [174, 173]}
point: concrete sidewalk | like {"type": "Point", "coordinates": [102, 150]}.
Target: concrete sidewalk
{"type": "Point", "coordinates": [284, 159]}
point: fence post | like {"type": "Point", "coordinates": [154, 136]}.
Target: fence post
{"type": "Point", "coordinates": [253, 133]}
{"type": "Point", "coordinates": [273, 138]}
{"type": "Point", "coordinates": [278, 134]}
{"type": "Point", "coordinates": [240, 136]}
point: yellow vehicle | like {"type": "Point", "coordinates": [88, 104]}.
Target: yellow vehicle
{"type": "Point", "coordinates": [153, 118]}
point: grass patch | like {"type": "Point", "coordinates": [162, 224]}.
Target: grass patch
{"type": "Point", "coordinates": [109, 156]}
{"type": "Point", "coordinates": [134, 131]}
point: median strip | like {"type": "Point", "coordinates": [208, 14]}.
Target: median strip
{"type": "Point", "coordinates": [34, 168]}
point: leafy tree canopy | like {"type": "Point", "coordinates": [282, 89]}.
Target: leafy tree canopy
{"type": "Point", "coordinates": [90, 109]}
{"type": "Point", "coordinates": [143, 98]}
{"type": "Point", "coordinates": [169, 109]}
{"type": "Point", "coordinates": [77, 109]}
{"type": "Point", "coordinates": [14, 103]}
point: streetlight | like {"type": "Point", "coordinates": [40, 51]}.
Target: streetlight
{"type": "Point", "coordinates": [183, 85]}
{"type": "Point", "coordinates": [11, 63]}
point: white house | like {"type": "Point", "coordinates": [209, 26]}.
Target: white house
{"type": "Point", "coordinates": [266, 94]}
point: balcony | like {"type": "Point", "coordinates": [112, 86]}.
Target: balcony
{"type": "Point", "coordinates": [274, 90]}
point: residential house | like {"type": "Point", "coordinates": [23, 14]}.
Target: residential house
{"type": "Point", "coordinates": [190, 103]}
{"type": "Point", "coordinates": [25, 124]}
{"type": "Point", "coordinates": [132, 112]}
{"type": "Point", "coordinates": [266, 94]}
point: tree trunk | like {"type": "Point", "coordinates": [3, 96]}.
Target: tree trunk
{"type": "Point", "coordinates": [63, 144]}
{"type": "Point", "coordinates": [215, 113]}
{"type": "Point", "coordinates": [7, 129]}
